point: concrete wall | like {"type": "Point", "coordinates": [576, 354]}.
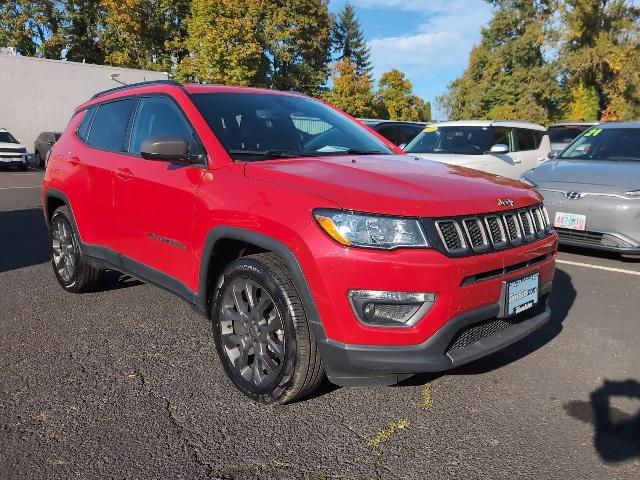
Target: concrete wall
{"type": "Point", "coordinates": [38, 95]}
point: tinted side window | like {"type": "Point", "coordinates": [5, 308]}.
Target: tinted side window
{"type": "Point", "coordinates": [83, 129]}
{"type": "Point", "coordinates": [502, 135]}
{"type": "Point", "coordinates": [160, 117]}
{"type": "Point", "coordinates": [109, 127]}
{"type": "Point", "coordinates": [528, 139]}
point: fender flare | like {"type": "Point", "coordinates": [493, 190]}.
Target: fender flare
{"type": "Point", "coordinates": [266, 243]}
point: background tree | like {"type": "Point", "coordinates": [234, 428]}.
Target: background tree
{"type": "Point", "coordinates": [584, 104]}
{"type": "Point", "coordinates": [508, 76]}
{"type": "Point", "coordinates": [601, 50]}
{"type": "Point", "coordinates": [398, 102]}
{"type": "Point", "coordinates": [348, 40]}
{"type": "Point", "coordinates": [82, 31]}
{"type": "Point", "coordinates": [32, 27]}
{"type": "Point", "coordinates": [143, 33]}
{"type": "Point", "coordinates": [352, 92]}
{"type": "Point", "coordinates": [282, 44]}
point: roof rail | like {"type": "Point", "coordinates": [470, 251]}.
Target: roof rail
{"type": "Point", "coordinates": [139, 84]}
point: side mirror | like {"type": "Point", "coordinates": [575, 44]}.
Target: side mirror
{"type": "Point", "coordinates": [553, 154]}
{"type": "Point", "coordinates": [499, 148]}
{"type": "Point", "coordinates": [167, 149]}
{"type": "Point", "coordinates": [402, 145]}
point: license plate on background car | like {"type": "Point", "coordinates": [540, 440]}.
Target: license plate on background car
{"type": "Point", "coordinates": [571, 221]}
{"type": "Point", "coordinates": [522, 294]}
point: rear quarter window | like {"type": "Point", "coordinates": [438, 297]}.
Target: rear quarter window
{"type": "Point", "coordinates": [83, 128]}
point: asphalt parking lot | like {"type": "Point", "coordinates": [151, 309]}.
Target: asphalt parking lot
{"type": "Point", "coordinates": [124, 383]}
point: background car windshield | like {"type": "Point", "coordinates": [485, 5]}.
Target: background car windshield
{"type": "Point", "coordinates": [256, 126]}
{"type": "Point", "coordinates": [458, 140]}
{"type": "Point", "coordinates": [6, 137]}
{"type": "Point", "coordinates": [563, 134]}
{"type": "Point", "coordinates": [622, 144]}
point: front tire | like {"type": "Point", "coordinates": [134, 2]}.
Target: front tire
{"type": "Point", "coordinates": [73, 272]}
{"type": "Point", "coordinates": [261, 331]}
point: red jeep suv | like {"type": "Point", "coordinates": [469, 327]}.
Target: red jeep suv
{"type": "Point", "coordinates": [315, 246]}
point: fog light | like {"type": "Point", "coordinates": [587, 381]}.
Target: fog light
{"type": "Point", "coordinates": [390, 309]}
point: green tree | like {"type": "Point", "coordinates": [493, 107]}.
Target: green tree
{"type": "Point", "coordinates": [398, 102]}
{"type": "Point", "coordinates": [508, 76]}
{"type": "Point", "coordinates": [282, 44]}
{"type": "Point", "coordinates": [600, 49]}
{"type": "Point", "coordinates": [584, 104]}
{"type": "Point", "coordinates": [348, 40]}
{"type": "Point", "coordinates": [352, 92]}
{"type": "Point", "coordinates": [144, 33]}
{"type": "Point", "coordinates": [83, 23]}
{"type": "Point", "coordinates": [32, 27]}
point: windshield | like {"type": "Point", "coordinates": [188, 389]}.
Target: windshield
{"type": "Point", "coordinates": [6, 137]}
{"type": "Point", "coordinates": [258, 126]}
{"type": "Point", "coordinates": [565, 134]}
{"type": "Point", "coordinates": [621, 144]}
{"type": "Point", "coordinates": [458, 140]}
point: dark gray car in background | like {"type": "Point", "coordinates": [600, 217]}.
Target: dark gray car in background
{"type": "Point", "coordinates": [592, 189]}
{"type": "Point", "coordinates": [562, 134]}
{"type": "Point", "coordinates": [42, 145]}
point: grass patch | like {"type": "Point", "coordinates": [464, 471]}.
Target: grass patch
{"type": "Point", "coordinates": [382, 436]}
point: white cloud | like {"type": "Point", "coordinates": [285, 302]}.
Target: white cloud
{"type": "Point", "coordinates": [438, 49]}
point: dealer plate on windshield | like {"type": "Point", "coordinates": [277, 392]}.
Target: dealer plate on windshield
{"type": "Point", "coordinates": [521, 294]}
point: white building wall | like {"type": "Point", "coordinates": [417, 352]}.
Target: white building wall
{"type": "Point", "coordinates": [39, 95]}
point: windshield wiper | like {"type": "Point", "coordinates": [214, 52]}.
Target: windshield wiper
{"type": "Point", "coordinates": [356, 151]}
{"type": "Point", "coordinates": [269, 153]}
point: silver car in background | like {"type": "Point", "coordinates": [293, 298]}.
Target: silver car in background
{"type": "Point", "coordinates": [592, 189]}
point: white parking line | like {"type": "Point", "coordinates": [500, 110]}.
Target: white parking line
{"type": "Point", "coordinates": [599, 267]}
{"type": "Point", "coordinates": [16, 188]}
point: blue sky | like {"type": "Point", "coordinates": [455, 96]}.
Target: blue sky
{"type": "Point", "coordinates": [429, 40]}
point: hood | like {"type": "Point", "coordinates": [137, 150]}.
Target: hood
{"type": "Point", "coordinates": [621, 176]}
{"type": "Point", "coordinates": [11, 145]}
{"type": "Point", "coordinates": [394, 184]}
{"type": "Point", "coordinates": [453, 158]}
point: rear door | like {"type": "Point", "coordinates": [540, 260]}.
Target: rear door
{"type": "Point", "coordinates": [155, 200]}
{"type": "Point", "coordinates": [89, 163]}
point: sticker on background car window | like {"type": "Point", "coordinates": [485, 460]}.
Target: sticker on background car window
{"type": "Point", "coordinates": [593, 133]}
{"type": "Point", "coordinates": [430, 129]}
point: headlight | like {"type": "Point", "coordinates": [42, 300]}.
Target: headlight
{"type": "Point", "coordinates": [371, 231]}
{"type": "Point", "coordinates": [633, 193]}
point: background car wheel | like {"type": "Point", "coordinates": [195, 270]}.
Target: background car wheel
{"type": "Point", "coordinates": [39, 160]}
{"type": "Point", "coordinates": [261, 331]}
{"type": "Point", "coordinates": [69, 264]}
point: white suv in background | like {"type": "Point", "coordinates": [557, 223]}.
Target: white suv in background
{"type": "Point", "coordinates": [12, 152]}
{"type": "Point", "coordinates": [506, 148]}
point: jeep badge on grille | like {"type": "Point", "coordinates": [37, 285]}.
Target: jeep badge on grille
{"type": "Point", "coordinates": [506, 202]}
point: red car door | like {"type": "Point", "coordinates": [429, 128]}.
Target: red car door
{"type": "Point", "coordinates": [155, 200]}
{"type": "Point", "coordinates": [89, 159]}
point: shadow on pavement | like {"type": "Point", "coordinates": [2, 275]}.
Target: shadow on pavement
{"type": "Point", "coordinates": [562, 298]}
{"type": "Point", "coordinates": [24, 239]}
{"type": "Point", "coordinates": [617, 433]}
{"type": "Point", "coordinates": [592, 252]}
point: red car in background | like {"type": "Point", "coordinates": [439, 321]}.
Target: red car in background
{"type": "Point", "coordinates": [314, 245]}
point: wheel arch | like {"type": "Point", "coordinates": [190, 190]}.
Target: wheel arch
{"type": "Point", "coordinates": [213, 262]}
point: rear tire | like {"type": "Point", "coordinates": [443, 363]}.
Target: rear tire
{"type": "Point", "coordinates": [39, 160]}
{"type": "Point", "coordinates": [73, 272]}
{"type": "Point", "coordinates": [261, 331]}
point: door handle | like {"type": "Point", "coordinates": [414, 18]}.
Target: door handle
{"type": "Point", "coordinates": [124, 173]}
{"type": "Point", "coordinates": [517, 160]}
{"type": "Point", "coordinates": [73, 160]}
{"type": "Point", "coordinates": [540, 159]}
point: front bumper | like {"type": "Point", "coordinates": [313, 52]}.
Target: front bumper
{"type": "Point", "coordinates": [14, 158]}
{"type": "Point", "coordinates": [612, 223]}
{"type": "Point", "coordinates": [481, 332]}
